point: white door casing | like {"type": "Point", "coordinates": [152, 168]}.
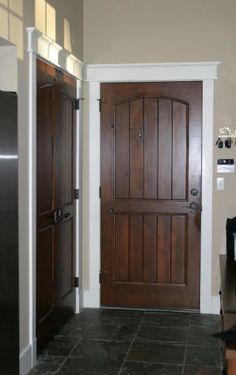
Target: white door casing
{"type": "Point", "coordinates": [96, 74]}
{"type": "Point", "coordinates": [41, 46]}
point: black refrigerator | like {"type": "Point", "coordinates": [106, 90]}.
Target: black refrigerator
{"type": "Point", "coordinates": [9, 284]}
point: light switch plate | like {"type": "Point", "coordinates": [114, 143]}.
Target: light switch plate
{"type": "Point", "coordinates": [225, 168]}
{"type": "Point", "coordinates": [220, 183]}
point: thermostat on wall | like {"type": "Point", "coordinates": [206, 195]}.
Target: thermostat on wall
{"type": "Point", "coordinates": [225, 166]}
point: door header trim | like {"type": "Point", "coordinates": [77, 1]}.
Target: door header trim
{"type": "Point", "coordinates": [197, 71]}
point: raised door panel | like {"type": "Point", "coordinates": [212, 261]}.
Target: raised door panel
{"type": "Point", "coordinates": [122, 150]}
{"type": "Point", "coordinates": [45, 279]}
{"type": "Point", "coordinates": [150, 248]}
{"type": "Point", "coordinates": [151, 149]}
{"type": "Point", "coordinates": [64, 149]}
{"type": "Point", "coordinates": [45, 119]}
{"type": "Point", "coordinates": [64, 266]}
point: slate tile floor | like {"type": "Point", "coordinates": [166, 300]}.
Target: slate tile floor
{"type": "Point", "coordinates": [132, 342]}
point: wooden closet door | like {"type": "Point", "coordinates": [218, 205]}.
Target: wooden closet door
{"type": "Point", "coordinates": [55, 248]}
{"type": "Point", "coordinates": [151, 194]}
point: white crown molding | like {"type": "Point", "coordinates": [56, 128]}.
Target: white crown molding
{"type": "Point", "coordinates": [152, 72]}
{"type": "Point", "coordinates": [46, 48]}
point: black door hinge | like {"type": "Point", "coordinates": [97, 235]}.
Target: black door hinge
{"type": "Point", "coordinates": [100, 104]}
{"type": "Point", "coordinates": [102, 274]}
{"type": "Point", "coordinates": [77, 103]}
{"type": "Point", "coordinates": [76, 194]}
{"type": "Point", "coordinates": [76, 282]}
{"type": "Point", "coordinates": [100, 192]}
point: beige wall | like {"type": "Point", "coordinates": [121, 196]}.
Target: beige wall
{"type": "Point", "coordinates": [138, 31]}
{"type": "Point", "coordinates": [64, 23]}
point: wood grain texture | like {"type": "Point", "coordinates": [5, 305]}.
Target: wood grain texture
{"type": "Point", "coordinates": [150, 161]}
{"type": "Point", "coordinates": [122, 150]}
{"type": "Point", "coordinates": [165, 146]}
{"type": "Point", "coordinates": [136, 248]}
{"type": "Point", "coordinates": [45, 97]}
{"type": "Point", "coordinates": [55, 259]}
{"type": "Point", "coordinates": [150, 169]}
{"type": "Point", "coordinates": [136, 148]}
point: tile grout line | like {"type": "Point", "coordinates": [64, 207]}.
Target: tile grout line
{"type": "Point", "coordinates": [68, 356]}
{"type": "Point", "coordinates": [186, 346]}
{"type": "Point", "coordinates": [131, 344]}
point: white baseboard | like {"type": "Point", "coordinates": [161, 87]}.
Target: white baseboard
{"type": "Point", "coordinates": [28, 358]}
{"type": "Point", "coordinates": [91, 298]}
{"type": "Point", "coordinates": [216, 305]}
{"type": "Point", "coordinates": [210, 304]}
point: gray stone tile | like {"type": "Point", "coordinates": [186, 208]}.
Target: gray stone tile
{"type": "Point", "coordinates": [203, 336]}
{"type": "Point", "coordinates": [125, 332]}
{"type": "Point", "coordinates": [151, 351]}
{"type": "Point", "coordinates": [204, 356]}
{"type": "Point", "coordinates": [212, 322]}
{"type": "Point", "coordinates": [47, 365]}
{"type": "Point", "coordinates": [101, 350]}
{"type": "Point", "coordinates": [167, 320]}
{"type": "Point", "coordinates": [101, 331]}
{"type": "Point", "coordinates": [135, 368]}
{"type": "Point", "coordinates": [61, 345]}
{"type": "Point", "coordinates": [96, 341]}
{"type": "Point", "coordinates": [196, 370]}
{"type": "Point", "coordinates": [77, 366]}
{"type": "Point", "coordinates": [75, 327]}
{"type": "Point", "coordinates": [171, 335]}
{"type": "Point", "coordinates": [114, 332]}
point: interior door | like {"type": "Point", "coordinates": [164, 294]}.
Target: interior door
{"type": "Point", "coordinates": [55, 251]}
{"type": "Point", "coordinates": [151, 194]}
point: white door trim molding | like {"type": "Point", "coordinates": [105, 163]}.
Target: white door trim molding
{"type": "Point", "coordinates": [197, 71]}
{"type": "Point", "coordinates": [96, 74]}
{"type": "Point", "coordinates": [40, 45]}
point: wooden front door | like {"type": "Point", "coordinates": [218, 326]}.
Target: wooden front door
{"type": "Point", "coordinates": [151, 194]}
{"type": "Point", "coordinates": [55, 269]}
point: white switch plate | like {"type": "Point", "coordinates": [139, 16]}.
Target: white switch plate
{"type": "Point", "coordinates": [225, 168]}
{"type": "Point", "coordinates": [220, 183]}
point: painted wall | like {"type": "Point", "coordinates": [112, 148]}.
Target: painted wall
{"type": "Point", "coordinates": [63, 22]}
{"type": "Point", "coordinates": [137, 31]}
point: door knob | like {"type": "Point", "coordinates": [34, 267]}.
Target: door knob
{"type": "Point", "coordinates": [193, 207]}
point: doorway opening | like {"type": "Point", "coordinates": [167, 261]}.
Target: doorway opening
{"type": "Point", "coordinates": [206, 72]}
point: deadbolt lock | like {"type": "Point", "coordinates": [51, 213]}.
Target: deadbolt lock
{"type": "Point", "coordinates": [194, 192]}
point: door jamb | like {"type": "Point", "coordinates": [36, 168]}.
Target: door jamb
{"type": "Point", "coordinates": [97, 74]}
{"type": "Point", "coordinates": [40, 45]}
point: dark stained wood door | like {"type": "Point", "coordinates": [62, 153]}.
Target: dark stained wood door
{"type": "Point", "coordinates": [151, 194]}
{"type": "Point", "coordinates": [55, 269]}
